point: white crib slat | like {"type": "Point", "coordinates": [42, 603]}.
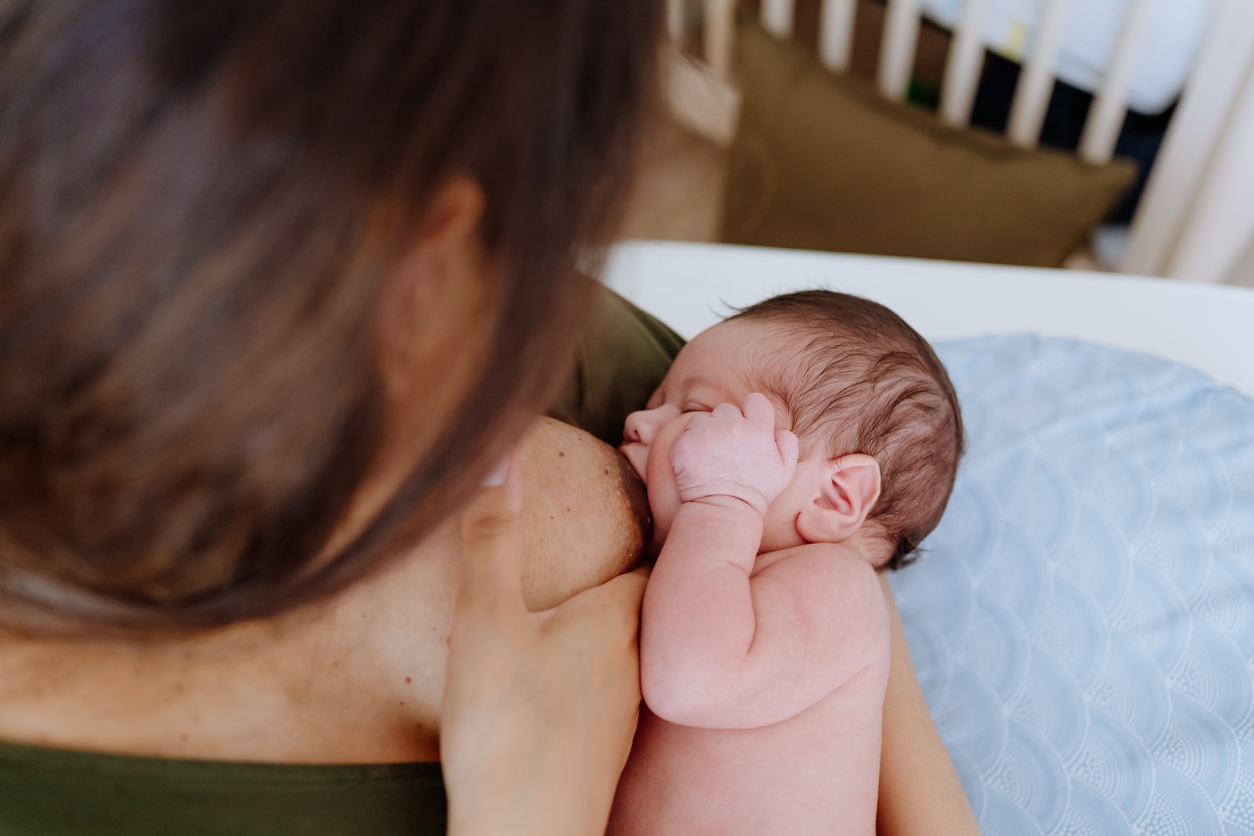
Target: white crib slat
{"type": "Point", "coordinates": [777, 17]}
{"type": "Point", "coordinates": [1036, 82]}
{"type": "Point", "coordinates": [675, 19]}
{"type": "Point", "coordinates": [699, 100]}
{"type": "Point", "coordinates": [720, 30]}
{"type": "Point", "coordinates": [1223, 61]}
{"type": "Point", "coordinates": [963, 66]}
{"type": "Point", "coordinates": [1101, 130]}
{"type": "Point", "coordinates": [1221, 223]}
{"type": "Point", "coordinates": [901, 37]}
{"type": "Point", "coordinates": [836, 33]}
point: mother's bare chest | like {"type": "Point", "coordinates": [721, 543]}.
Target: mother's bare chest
{"type": "Point", "coordinates": [359, 679]}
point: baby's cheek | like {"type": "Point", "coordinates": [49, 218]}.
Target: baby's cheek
{"type": "Point", "coordinates": [663, 495]}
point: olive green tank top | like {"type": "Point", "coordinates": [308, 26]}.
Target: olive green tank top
{"type": "Point", "coordinates": [48, 792]}
{"type": "Point", "coordinates": [53, 791]}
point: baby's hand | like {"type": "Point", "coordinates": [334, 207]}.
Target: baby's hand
{"type": "Point", "coordinates": [729, 453]}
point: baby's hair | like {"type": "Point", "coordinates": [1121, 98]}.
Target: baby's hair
{"type": "Point", "coordinates": [863, 381]}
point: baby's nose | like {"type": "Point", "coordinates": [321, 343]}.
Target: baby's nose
{"type": "Point", "coordinates": [633, 429]}
{"type": "Point", "coordinates": [643, 426]}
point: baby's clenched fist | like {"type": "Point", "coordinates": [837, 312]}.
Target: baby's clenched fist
{"type": "Point", "coordinates": [730, 452]}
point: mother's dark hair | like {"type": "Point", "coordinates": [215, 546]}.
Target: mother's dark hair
{"type": "Point", "coordinates": [200, 204]}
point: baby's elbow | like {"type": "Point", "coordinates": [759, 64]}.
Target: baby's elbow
{"type": "Point", "coordinates": [678, 698]}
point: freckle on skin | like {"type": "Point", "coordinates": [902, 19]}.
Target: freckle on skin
{"type": "Point", "coordinates": [567, 507]}
{"type": "Point", "coordinates": [408, 680]}
{"type": "Point", "coordinates": [560, 453]}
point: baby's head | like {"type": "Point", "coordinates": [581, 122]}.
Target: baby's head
{"type": "Point", "coordinates": [876, 416]}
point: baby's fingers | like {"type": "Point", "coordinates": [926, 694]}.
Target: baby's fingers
{"type": "Point", "coordinates": [786, 443]}
{"type": "Point", "coordinates": [758, 409]}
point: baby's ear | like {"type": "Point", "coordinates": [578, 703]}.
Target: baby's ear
{"type": "Point", "coordinates": [850, 486]}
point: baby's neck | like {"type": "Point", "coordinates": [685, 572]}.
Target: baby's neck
{"type": "Point", "coordinates": [872, 550]}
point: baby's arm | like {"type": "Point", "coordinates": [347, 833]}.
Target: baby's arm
{"type": "Point", "coordinates": [720, 649]}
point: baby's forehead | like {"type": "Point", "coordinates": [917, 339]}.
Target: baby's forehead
{"type": "Point", "coordinates": [738, 349]}
{"type": "Point", "coordinates": [735, 358]}
{"type": "Point", "coordinates": [751, 342]}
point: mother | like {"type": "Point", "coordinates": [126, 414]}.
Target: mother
{"type": "Point", "coordinates": [279, 284]}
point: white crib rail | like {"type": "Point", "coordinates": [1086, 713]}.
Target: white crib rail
{"type": "Point", "coordinates": [702, 97]}
{"type": "Point", "coordinates": [1109, 109]}
{"type": "Point", "coordinates": [1224, 61]}
{"type": "Point", "coordinates": [836, 19]}
{"type": "Point", "coordinates": [963, 66]}
{"type": "Point", "coordinates": [720, 33]}
{"type": "Point", "coordinates": [901, 37]}
{"type": "Point", "coordinates": [777, 17]}
{"type": "Point", "coordinates": [1036, 82]}
{"type": "Point", "coordinates": [675, 19]}
{"type": "Point", "coordinates": [1220, 225]}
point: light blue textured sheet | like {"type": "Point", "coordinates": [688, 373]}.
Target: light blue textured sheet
{"type": "Point", "coordinates": [1083, 620]}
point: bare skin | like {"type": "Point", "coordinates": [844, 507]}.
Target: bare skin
{"type": "Point", "coordinates": [330, 686]}
{"type": "Point", "coordinates": [919, 787]}
{"type": "Point", "coordinates": [358, 680]}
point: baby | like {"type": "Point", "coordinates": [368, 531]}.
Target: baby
{"type": "Point", "coordinates": [764, 636]}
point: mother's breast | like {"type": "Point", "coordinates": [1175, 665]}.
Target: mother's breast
{"type": "Point", "coordinates": [585, 514]}
{"type": "Point", "coordinates": [585, 520]}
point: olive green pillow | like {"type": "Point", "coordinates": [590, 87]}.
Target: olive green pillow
{"type": "Point", "coordinates": [824, 162]}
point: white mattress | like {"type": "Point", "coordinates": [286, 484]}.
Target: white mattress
{"type": "Point", "coordinates": [1082, 620]}
{"type": "Point", "coordinates": [1207, 327]}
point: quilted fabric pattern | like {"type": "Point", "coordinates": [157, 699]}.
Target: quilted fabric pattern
{"type": "Point", "coordinates": [1083, 618]}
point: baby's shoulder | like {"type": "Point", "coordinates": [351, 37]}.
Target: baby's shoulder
{"type": "Point", "coordinates": [833, 591]}
{"type": "Point", "coordinates": [819, 561]}
{"type": "Point", "coordinates": [823, 572]}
